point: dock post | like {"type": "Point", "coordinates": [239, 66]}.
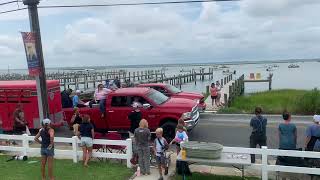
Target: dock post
{"type": "Point", "coordinates": [207, 90]}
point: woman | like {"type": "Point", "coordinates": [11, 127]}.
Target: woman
{"type": "Point", "coordinates": [47, 148]}
{"type": "Point", "coordinates": [100, 96]}
{"type": "Point", "coordinates": [86, 136]}
{"type": "Point", "coordinates": [76, 120]}
{"type": "Point", "coordinates": [142, 137]}
{"type": "Point", "coordinates": [214, 94]}
{"type": "Point", "coordinates": [287, 133]}
{"type": "Point", "coordinates": [19, 125]}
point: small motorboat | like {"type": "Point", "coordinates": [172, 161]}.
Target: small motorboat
{"type": "Point", "coordinates": [293, 66]}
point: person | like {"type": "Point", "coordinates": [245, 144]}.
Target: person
{"type": "Point", "coordinates": [100, 96]}
{"type": "Point", "coordinates": [218, 93]}
{"type": "Point", "coordinates": [181, 136]}
{"type": "Point", "coordinates": [214, 94]}
{"type": "Point", "coordinates": [65, 98]}
{"type": "Point", "coordinates": [135, 117]}
{"type": "Point", "coordinates": [76, 120]}
{"type": "Point", "coordinates": [117, 82]}
{"type": "Point", "coordinates": [76, 101]}
{"type": "Point", "coordinates": [19, 125]}
{"type": "Point", "coordinates": [312, 142]}
{"type": "Point", "coordinates": [142, 137]}
{"type": "Point", "coordinates": [86, 136]}
{"type": "Point", "coordinates": [287, 133]}
{"type": "Point", "coordinates": [160, 145]}
{"type": "Point", "coordinates": [47, 148]}
{"type": "Point", "coordinates": [182, 122]}
{"type": "Point", "coordinates": [258, 135]}
{"type": "Point", "coordinates": [136, 100]}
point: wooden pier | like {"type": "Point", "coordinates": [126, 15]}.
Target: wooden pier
{"type": "Point", "coordinates": [268, 80]}
{"type": "Point", "coordinates": [89, 80]}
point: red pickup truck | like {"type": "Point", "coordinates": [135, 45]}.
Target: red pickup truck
{"type": "Point", "coordinates": [158, 109]}
{"type": "Point", "coordinates": [172, 91]}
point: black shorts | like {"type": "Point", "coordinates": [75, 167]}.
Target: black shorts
{"type": "Point", "coordinates": [214, 97]}
{"type": "Point", "coordinates": [161, 160]}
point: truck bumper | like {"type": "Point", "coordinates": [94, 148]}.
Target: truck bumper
{"type": "Point", "coordinates": [190, 124]}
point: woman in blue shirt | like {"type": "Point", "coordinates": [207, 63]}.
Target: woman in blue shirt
{"type": "Point", "coordinates": [287, 133]}
{"type": "Point", "coordinates": [313, 135]}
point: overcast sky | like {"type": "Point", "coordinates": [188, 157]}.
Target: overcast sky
{"type": "Point", "coordinates": [153, 34]}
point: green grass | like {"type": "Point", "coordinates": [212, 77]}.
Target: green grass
{"type": "Point", "coordinates": [198, 176]}
{"type": "Point", "coordinates": [63, 169]}
{"type": "Point", "coordinates": [276, 101]}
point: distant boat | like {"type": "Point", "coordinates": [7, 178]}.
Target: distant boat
{"type": "Point", "coordinates": [224, 67]}
{"type": "Point", "coordinates": [269, 69]}
{"type": "Point", "coordinates": [293, 66]}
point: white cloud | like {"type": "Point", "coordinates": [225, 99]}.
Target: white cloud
{"type": "Point", "coordinates": [207, 32]}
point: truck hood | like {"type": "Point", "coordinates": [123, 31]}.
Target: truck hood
{"type": "Point", "coordinates": [179, 103]}
{"type": "Point", "coordinates": [188, 95]}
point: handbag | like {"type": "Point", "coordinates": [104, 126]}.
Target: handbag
{"type": "Point", "coordinates": [164, 147]}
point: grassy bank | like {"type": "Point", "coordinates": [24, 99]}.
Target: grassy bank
{"type": "Point", "coordinates": [300, 102]}
{"type": "Point", "coordinates": [196, 176]}
{"type": "Point", "coordinates": [63, 169]}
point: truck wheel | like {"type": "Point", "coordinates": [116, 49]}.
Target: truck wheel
{"type": "Point", "coordinates": [169, 130]}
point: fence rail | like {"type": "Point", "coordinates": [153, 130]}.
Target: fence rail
{"type": "Point", "coordinates": [73, 153]}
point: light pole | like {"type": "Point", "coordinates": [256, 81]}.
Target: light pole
{"type": "Point", "coordinates": [42, 92]}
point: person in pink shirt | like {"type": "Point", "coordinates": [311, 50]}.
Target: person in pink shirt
{"type": "Point", "coordinates": [100, 96]}
{"type": "Point", "coordinates": [214, 94]}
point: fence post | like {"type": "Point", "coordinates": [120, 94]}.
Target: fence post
{"type": "Point", "coordinates": [264, 167]}
{"type": "Point", "coordinates": [129, 152]}
{"type": "Point", "coordinates": [75, 149]}
{"type": "Point", "coordinates": [25, 144]}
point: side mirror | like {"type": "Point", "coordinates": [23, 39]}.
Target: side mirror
{"type": "Point", "coordinates": [146, 106]}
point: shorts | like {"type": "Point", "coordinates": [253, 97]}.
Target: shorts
{"type": "Point", "coordinates": [86, 142]}
{"type": "Point", "coordinates": [47, 152]}
{"type": "Point", "coordinates": [214, 97]}
{"type": "Point", "coordinates": [161, 160]}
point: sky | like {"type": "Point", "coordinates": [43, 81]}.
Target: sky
{"type": "Point", "coordinates": [247, 30]}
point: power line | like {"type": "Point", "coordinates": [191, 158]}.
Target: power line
{"type": "Point", "coordinates": [8, 2]}
{"type": "Point", "coordinates": [133, 4]}
{"type": "Point", "coordinates": [14, 10]}
{"type": "Point", "coordinates": [117, 4]}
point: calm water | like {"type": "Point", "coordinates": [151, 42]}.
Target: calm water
{"type": "Point", "coordinates": [304, 77]}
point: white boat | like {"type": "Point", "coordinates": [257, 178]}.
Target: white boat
{"type": "Point", "coordinates": [293, 66]}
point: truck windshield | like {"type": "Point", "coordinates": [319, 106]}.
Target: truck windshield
{"type": "Point", "coordinates": [157, 97]}
{"type": "Point", "coordinates": [173, 89]}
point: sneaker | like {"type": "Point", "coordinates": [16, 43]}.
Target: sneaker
{"type": "Point", "coordinates": [166, 171]}
{"type": "Point", "coordinates": [161, 178]}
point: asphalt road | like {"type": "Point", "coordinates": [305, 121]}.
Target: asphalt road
{"type": "Point", "coordinates": [234, 130]}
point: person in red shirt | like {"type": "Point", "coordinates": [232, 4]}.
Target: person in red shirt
{"type": "Point", "coordinates": [214, 94]}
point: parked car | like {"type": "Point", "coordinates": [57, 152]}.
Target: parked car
{"type": "Point", "coordinates": [172, 91]}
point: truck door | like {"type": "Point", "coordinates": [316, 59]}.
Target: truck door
{"type": "Point", "coordinates": [118, 112]}
{"type": "Point", "coordinates": [151, 114]}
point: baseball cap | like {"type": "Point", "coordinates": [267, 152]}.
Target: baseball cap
{"type": "Point", "coordinates": [316, 118]}
{"type": "Point", "coordinates": [78, 91]}
{"type": "Point", "coordinates": [46, 121]}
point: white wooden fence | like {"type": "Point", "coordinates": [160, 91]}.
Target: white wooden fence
{"type": "Point", "coordinates": [73, 153]}
{"type": "Point", "coordinates": [265, 167]}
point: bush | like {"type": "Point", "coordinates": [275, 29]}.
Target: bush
{"type": "Point", "coordinates": [309, 103]}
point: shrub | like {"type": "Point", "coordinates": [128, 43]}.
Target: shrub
{"type": "Point", "coordinates": [309, 103]}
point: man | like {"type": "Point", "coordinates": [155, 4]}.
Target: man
{"type": "Point", "coordinates": [76, 100]}
{"type": "Point", "coordinates": [135, 117]}
{"type": "Point", "coordinates": [117, 82]}
{"type": "Point", "coordinates": [258, 135]}
{"type": "Point", "coordinates": [65, 98]}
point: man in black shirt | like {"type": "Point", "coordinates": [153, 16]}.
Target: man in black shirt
{"type": "Point", "coordinates": [135, 117]}
{"type": "Point", "coordinates": [65, 98]}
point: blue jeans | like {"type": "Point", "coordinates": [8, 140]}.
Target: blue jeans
{"type": "Point", "coordinates": [102, 105]}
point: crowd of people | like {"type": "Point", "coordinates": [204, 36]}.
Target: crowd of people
{"type": "Point", "coordinates": [287, 134]}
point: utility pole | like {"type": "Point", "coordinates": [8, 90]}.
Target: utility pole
{"type": "Point", "coordinates": [42, 91]}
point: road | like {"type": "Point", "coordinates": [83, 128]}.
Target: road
{"type": "Point", "coordinates": [234, 130]}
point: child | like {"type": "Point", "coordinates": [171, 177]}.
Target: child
{"type": "Point", "coordinates": [181, 135]}
{"type": "Point", "coordinates": [160, 145]}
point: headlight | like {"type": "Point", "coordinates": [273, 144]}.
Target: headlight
{"type": "Point", "coordinates": [187, 115]}
{"type": "Point", "coordinates": [198, 101]}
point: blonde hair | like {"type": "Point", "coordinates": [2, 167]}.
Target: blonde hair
{"type": "Point", "coordinates": [159, 130]}
{"type": "Point", "coordinates": [143, 123]}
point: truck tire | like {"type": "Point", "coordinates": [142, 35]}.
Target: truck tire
{"type": "Point", "coordinates": [169, 130]}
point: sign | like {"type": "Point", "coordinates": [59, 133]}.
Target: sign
{"type": "Point", "coordinates": [29, 41]}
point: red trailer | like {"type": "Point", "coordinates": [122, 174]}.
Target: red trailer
{"type": "Point", "coordinates": [24, 93]}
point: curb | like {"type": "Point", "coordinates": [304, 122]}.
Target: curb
{"type": "Point", "coordinates": [268, 115]}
